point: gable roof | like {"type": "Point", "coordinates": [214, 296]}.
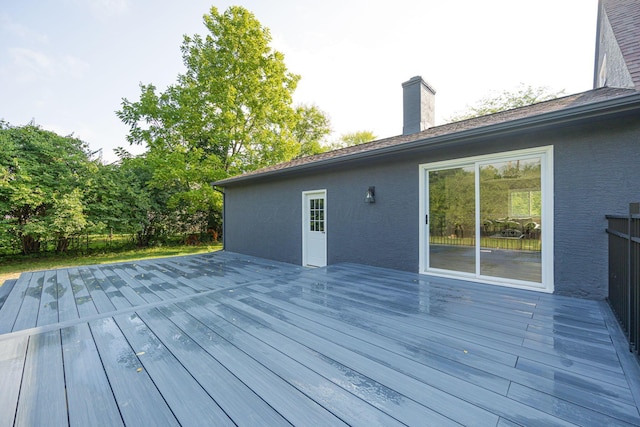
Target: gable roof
{"type": "Point", "coordinates": [624, 18]}
{"type": "Point", "coordinates": [586, 104]}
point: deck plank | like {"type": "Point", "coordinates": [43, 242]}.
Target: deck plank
{"type": "Point", "coordinates": [28, 315]}
{"type": "Point", "coordinates": [287, 356]}
{"type": "Point", "coordinates": [237, 400]}
{"type": "Point", "coordinates": [67, 309]}
{"type": "Point", "coordinates": [545, 378]}
{"type": "Point", "coordinates": [86, 381]}
{"type": "Point", "coordinates": [186, 398]}
{"type": "Point", "coordinates": [99, 297]}
{"type": "Point", "coordinates": [115, 282]}
{"type": "Point", "coordinates": [467, 405]}
{"type": "Point", "coordinates": [48, 311]}
{"type": "Point", "coordinates": [410, 359]}
{"type": "Point", "coordinates": [431, 324]}
{"type": "Point", "coordinates": [289, 397]}
{"type": "Point", "coordinates": [112, 292]}
{"type": "Point", "coordinates": [12, 357]}
{"type": "Point", "coordinates": [139, 400]}
{"type": "Point", "coordinates": [10, 309]}
{"type": "Point", "coordinates": [5, 290]}
{"type": "Point", "coordinates": [124, 272]}
{"type": "Point", "coordinates": [252, 341]}
{"type": "Point", "coordinates": [625, 415]}
{"type": "Point", "coordinates": [84, 303]}
{"type": "Point", "coordinates": [442, 403]}
{"type": "Point", "coordinates": [42, 399]}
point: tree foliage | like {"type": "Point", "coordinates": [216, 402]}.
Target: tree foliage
{"type": "Point", "coordinates": [353, 138]}
{"type": "Point", "coordinates": [230, 112]}
{"type": "Point", "coordinates": [507, 100]}
{"type": "Point", "coordinates": [41, 175]}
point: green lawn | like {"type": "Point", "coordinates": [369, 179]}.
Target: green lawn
{"type": "Point", "coordinates": [12, 268]}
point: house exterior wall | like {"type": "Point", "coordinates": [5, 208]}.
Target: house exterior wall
{"type": "Point", "coordinates": [594, 173]}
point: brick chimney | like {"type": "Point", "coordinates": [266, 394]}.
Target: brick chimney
{"type": "Point", "coordinates": [418, 104]}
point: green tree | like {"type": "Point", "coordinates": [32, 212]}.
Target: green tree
{"type": "Point", "coordinates": [41, 175]}
{"type": "Point", "coordinates": [229, 112]}
{"type": "Point", "coordinates": [311, 128]}
{"type": "Point", "coordinates": [507, 100]}
{"type": "Point", "coordinates": [353, 138]}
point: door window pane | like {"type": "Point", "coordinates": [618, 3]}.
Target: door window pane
{"type": "Point", "coordinates": [511, 219]}
{"type": "Point", "coordinates": [316, 214]}
{"type": "Point", "coordinates": [452, 222]}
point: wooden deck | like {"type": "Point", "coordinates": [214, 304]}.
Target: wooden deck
{"type": "Point", "coordinates": [226, 339]}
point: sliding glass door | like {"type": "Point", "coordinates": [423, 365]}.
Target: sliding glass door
{"type": "Point", "coordinates": [452, 219]}
{"type": "Point", "coordinates": [485, 218]}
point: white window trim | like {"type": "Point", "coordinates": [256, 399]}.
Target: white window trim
{"type": "Point", "coordinates": [546, 154]}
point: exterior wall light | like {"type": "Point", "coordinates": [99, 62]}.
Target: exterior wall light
{"type": "Point", "coordinates": [371, 195]}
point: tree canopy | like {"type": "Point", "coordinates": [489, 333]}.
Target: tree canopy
{"type": "Point", "coordinates": [353, 138]}
{"type": "Point", "coordinates": [507, 100]}
{"type": "Point", "coordinates": [41, 175]}
{"type": "Point", "coordinates": [230, 112]}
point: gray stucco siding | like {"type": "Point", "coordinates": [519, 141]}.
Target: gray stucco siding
{"type": "Point", "coordinates": [595, 173]}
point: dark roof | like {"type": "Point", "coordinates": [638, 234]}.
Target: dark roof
{"type": "Point", "coordinates": [624, 17]}
{"type": "Point", "coordinates": [564, 108]}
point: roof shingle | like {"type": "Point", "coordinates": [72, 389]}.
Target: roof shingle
{"type": "Point", "coordinates": [540, 109]}
{"type": "Point", "coordinates": [624, 17]}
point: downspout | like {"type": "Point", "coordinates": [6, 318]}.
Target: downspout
{"type": "Point", "coordinates": [224, 208]}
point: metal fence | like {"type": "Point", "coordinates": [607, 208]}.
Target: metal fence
{"type": "Point", "coordinates": [624, 272]}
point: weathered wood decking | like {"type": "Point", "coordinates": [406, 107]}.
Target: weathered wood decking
{"type": "Point", "coordinates": [224, 339]}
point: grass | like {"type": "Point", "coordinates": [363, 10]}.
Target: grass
{"type": "Point", "coordinates": [13, 267]}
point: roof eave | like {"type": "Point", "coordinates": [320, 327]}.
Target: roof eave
{"type": "Point", "coordinates": [607, 107]}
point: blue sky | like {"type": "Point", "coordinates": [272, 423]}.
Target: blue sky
{"type": "Point", "coordinates": [67, 64]}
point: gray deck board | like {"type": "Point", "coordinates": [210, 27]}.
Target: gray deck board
{"type": "Point", "coordinates": [222, 338]}
{"type": "Point", "coordinates": [67, 309]}
{"type": "Point", "coordinates": [5, 289]}
{"type": "Point", "coordinates": [386, 349]}
{"type": "Point", "coordinates": [42, 399]}
{"type": "Point", "coordinates": [10, 309]}
{"type": "Point", "coordinates": [99, 297]}
{"type": "Point", "coordinates": [86, 381]}
{"type": "Point", "coordinates": [190, 403]}
{"type": "Point", "coordinates": [139, 400]}
{"type": "Point", "coordinates": [545, 378]}
{"type": "Point", "coordinates": [298, 364]}
{"type": "Point", "coordinates": [295, 406]}
{"type": "Point", "coordinates": [127, 274]}
{"type": "Point", "coordinates": [238, 400]}
{"type": "Point", "coordinates": [84, 303]}
{"type": "Point", "coordinates": [48, 311]}
{"type": "Point", "coordinates": [299, 378]}
{"type": "Point", "coordinates": [501, 347]}
{"type": "Point", "coordinates": [465, 403]}
{"type": "Point", "coordinates": [12, 356]}
{"type": "Point", "coordinates": [28, 315]}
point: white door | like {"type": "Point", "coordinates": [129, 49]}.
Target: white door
{"type": "Point", "coordinates": [314, 230]}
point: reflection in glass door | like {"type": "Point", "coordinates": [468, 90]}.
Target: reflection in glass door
{"type": "Point", "coordinates": [511, 219]}
{"type": "Point", "coordinates": [452, 219]}
{"type": "Point", "coordinates": [486, 218]}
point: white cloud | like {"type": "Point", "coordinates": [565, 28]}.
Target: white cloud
{"type": "Point", "coordinates": [31, 65]}
{"type": "Point", "coordinates": [74, 67]}
{"type": "Point", "coordinates": [105, 8]}
{"type": "Point", "coordinates": [21, 31]}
